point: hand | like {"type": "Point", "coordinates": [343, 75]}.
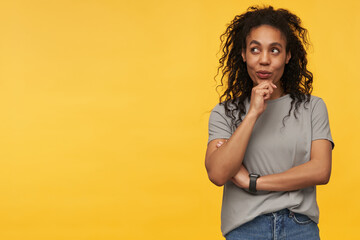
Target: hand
{"type": "Point", "coordinates": [259, 94]}
{"type": "Point", "coordinates": [220, 143]}
{"type": "Point", "coordinates": [241, 179]}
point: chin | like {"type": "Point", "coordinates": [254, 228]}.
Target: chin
{"type": "Point", "coordinates": [258, 81]}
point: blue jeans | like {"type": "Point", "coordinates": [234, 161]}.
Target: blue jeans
{"type": "Point", "coordinates": [280, 225]}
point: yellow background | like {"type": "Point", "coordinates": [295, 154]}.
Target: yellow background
{"type": "Point", "coordinates": [104, 111]}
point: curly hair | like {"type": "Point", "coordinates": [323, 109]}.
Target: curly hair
{"type": "Point", "coordinates": [296, 79]}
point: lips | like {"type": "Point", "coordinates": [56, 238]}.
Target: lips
{"type": "Point", "coordinates": [263, 74]}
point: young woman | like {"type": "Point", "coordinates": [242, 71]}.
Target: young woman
{"type": "Point", "coordinates": [269, 141]}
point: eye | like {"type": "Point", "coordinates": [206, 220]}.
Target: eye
{"type": "Point", "coordinates": [254, 50]}
{"type": "Point", "coordinates": [275, 50]}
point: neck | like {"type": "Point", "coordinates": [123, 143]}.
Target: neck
{"type": "Point", "coordinates": [278, 92]}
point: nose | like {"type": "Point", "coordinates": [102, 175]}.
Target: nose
{"type": "Point", "coordinates": [264, 58]}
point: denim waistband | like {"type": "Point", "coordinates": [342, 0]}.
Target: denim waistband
{"type": "Point", "coordinates": [280, 212]}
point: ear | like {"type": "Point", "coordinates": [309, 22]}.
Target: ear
{"type": "Point", "coordinates": [288, 56]}
{"type": "Point", "coordinates": [243, 54]}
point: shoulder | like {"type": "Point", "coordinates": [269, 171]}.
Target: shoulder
{"type": "Point", "coordinates": [317, 102]}
{"type": "Point", "coordinates": [220, 108]}
{"type": "Point", "coordinates": [312, 103]}
{"type": "Point", "coordinates": [318, 109]}
{"type": "Point", "coordinates": [218, 112]}
{"type": "Point", "coordinates": [315, 99]}
{"type": "Point", "coordinates": [219, 115]}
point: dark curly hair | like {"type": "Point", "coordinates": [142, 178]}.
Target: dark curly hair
{"type": "Point", "coordinates": [296, 79]}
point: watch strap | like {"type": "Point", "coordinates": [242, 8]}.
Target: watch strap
{"type": "Point", "coordinates": [252, 184]}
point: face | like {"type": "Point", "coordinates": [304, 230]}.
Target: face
{"type": "Point", "coordinates": [265, 54]}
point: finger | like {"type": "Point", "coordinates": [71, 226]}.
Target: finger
{"type": "Point", "coordinates": [270, 89]}
{"type": "Point", "coordinates": [263, 82]}
{"type": "Point", "coordinates": [260, 85]}
{"type": "Point", "coordinates": [269, 86]}
{"type": "Point", "coordinates": [267, 82]}
{"type": "Point", "coordinates": [266, 95]}
{"type": "Point", "coordinates": [262, 92]}
{"type": "Point", "coordinates": [266, 85]}
{"type": "Point", "coordinates": [272, 85]}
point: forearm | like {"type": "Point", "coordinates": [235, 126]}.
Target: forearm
{"type": "Point", "coordinates": [305, 175]}
{"type": "Point", "coordinates": [226, 161]}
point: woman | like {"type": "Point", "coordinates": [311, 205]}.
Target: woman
{"type": "Point", "coordinates": [269, 141]}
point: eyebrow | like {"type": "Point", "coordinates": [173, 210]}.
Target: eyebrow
{"type": "Point", "coordinates": [272, 44]}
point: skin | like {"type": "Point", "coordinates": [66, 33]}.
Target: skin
{"type": "Point", "coordinates": [265, 51]}
{"type": "Point", "coordinates": [315, 172]}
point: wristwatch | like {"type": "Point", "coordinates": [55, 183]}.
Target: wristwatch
{"type": "Point", "coordinates": [252, 184]}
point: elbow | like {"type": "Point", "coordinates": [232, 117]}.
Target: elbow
{"type": "Point", "coordinates": [217, 182]}
{"type": "Point", "coordinates": [216, 179]}
{"type": "Point", "coordinates": [324, 178]}
{"type": "Point", "coordinates": [214, 175]}
{"type": "Point", "coordinates": [218, 174]}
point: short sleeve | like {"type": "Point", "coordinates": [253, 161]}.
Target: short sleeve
{"type": "Point", "coordinates": [219, 124]}
{"type": "Point", "coordinates": [320, 122]}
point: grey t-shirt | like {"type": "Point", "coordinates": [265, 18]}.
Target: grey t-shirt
{"type": "Point", "coordinates": [272, 149]}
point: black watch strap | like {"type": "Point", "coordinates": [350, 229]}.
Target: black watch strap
{"type": "Point", "coordinates": [252, 185]}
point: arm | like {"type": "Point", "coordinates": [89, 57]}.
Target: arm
{"type": "Point", "coordinates": [314, 172]}
{"type": "Point", "coordinates": [223, 163]}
